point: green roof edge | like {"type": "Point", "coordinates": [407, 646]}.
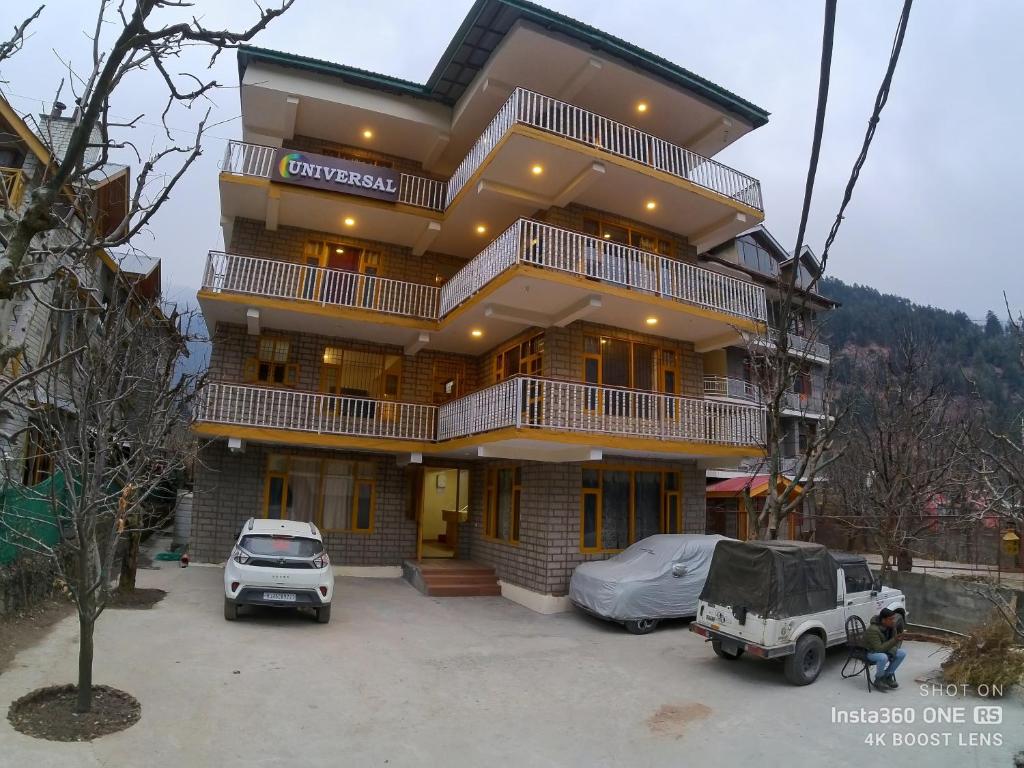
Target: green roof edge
{"type": "Point", "coordinates": [648, 61]}
{"type": "Point", "coordinates": [625, 50]}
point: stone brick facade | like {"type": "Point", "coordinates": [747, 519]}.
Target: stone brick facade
{"type": "Point", "coordinates": [550, 518]}
{"type": "Point", "coordinates": [229, 489]}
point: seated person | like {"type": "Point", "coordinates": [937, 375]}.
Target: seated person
{"type": "Point", "coordinates": [882, 643]}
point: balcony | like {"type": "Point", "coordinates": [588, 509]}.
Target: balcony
{"type": "Point", "coordinates": [584, 157]}
{"type": "Point", "coordinates": [12, 187]}
{"type": "Point", "coordinates": [532, 274]}
{"type": "Point", "coordinates": [608, 136]}
{"type": "Point", "coordinates": [797, 404]}
{"type": "Point", "coordinates": [731, 389]}
{"type": "Point", "coordinates": [522, 417]}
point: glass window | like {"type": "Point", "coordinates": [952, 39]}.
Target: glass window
{"type": "Point", "coordinates": [338, 487]}
{"type": "Point", "coordinates": [364, 506]}
{"type": "Point", "coordinates": [590, 502]}
{"type": "Point", "coordinates": [647, 504]}
{"type": "Point", "coordinates": [275, 497]}
{"type": "Point", "coordinates": [281, 546]}
{"type": "Point", "coordinates": [502, 504]}
{"type": "Point", "coordinates": [615, 510]}
{"type": "Point", "coordinates": [858, 577]}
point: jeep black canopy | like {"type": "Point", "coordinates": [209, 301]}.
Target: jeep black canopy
{"type": "Point", "coordinates": [773, 579]}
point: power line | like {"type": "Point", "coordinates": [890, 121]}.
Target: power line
{"type": "Point", "coordinates": [880, 100]}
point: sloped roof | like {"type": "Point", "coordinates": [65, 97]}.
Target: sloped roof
{"type": "Point", "coordinates": [734, 486]}
{"type": "Point", "coordinates": [480, 33]}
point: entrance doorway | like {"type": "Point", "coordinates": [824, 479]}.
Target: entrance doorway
{"type": "Point", "coordinates": [444, 503]}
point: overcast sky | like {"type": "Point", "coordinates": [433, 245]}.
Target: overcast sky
{"type": "Point", "coordinates": [930, 217]}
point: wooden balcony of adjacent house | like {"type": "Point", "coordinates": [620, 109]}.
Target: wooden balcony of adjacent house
{"type": "Point", "coordinates": [536, 152]}
{"type": "Point", "coordinates": [522, 417]}
{"type": "Point", "coordinates": [12, 187]}
{"type": "Point", "coordinates": [531, 275]}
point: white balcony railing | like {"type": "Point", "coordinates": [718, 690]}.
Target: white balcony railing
{"type": "Point", "coordinates": [800, 346]}
{"type": "Point", "coordinates": [244, 159]}
{"type": "Point", "coordinates": [250, 406]}
{"type": "Point", "coordinates": [542, 245]}
{"type": "Point", "coordinates": [547, 114]}
{"type": "Point", "coordinates": [572, 122]}
{"type": "Point", "coordinates": [525, 242]}
{"type": "Point", "coordinates": [519, 402]}
{"type": "Point", "coordinates": [230, 273]}
{"type": "Point", "coordinates": [736, 389]}
{"type": "Point", "coordinates": [578, 407]}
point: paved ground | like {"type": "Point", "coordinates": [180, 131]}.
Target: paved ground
{"type": "Point", "coordinates": [400, 679]}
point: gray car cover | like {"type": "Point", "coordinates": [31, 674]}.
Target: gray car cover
{"type": "Point", "coordinates": [638, 583]}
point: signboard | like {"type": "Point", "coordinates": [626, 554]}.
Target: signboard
{"type": "Point", "coordinates": [335, 174]}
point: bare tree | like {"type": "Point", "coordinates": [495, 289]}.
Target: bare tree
{"type": "Point", "coordinates": [141, 39]}
{"type": "Point", "coordinates": [779, 350]}
{"type": "Point", "coordinates": [105, 419]}
{"type": "Point", "coordinates": [903, 463]}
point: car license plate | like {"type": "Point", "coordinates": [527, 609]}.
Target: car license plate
{"type": "Point", "coordinates": [285, 597]}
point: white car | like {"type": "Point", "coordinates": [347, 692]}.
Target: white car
{"type": "Point", "coordinates": [280, 563]}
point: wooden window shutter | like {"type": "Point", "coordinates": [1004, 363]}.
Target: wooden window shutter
{"type": "Point", "coordinates": [291, 374]}
{"type": "Point", "coordinates": [250, 369]}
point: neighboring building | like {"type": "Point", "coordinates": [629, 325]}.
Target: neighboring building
{"type": "Point", "coordinates": [467, 317]}
{"type": "Point", "coordinates": [27, 155]}
{"type": "Point", "coordinates": [757, 255]}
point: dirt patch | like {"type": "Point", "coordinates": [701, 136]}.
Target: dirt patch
{"type": "Point", "coordinates": [49, 713]}
{"type": "Point", "coordinates": [25, 629]}
{"type": "Point", "coordinates": [139, 599]}
{"type": "Point", "coordinates": [672, 719]}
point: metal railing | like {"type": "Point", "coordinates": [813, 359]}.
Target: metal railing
{"type": "Point", "coordinates": [525, 401]}
{"type": "Point", "coordinates": [520, 402]}
{"type": "Point", "coordinates": [245, 405]}
{"type": "Point", "coordinates": [811, 404]}
{"type": "Point", "coordinates": [12, 187]}
{"type": "Point", "coordinates": [737, 389]}
{"type": "Point", "coordinates": [572, 122]}
{"type": "Point", "coordinates": [800, 346]}
{"type": "Point", "coordinates": [563, 250]}
{"type": "Point", "coordinates": [245, 159]}
{"type": "Point", "coordinates": [230, 273]}
{"type": "Point", "coordinates": [525, 242]}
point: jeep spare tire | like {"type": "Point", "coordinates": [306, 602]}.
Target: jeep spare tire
{"type": "Point", "coordinates": [804, 665]}
{"type": "Point", "coordinates": [722, 653]}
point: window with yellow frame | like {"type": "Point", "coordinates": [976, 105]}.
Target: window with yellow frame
{"type": "Point", "coordinates": [501, 504]}
{"type": "Point", "coordinates": [270, 365]}
{"type": "Point", "coordinates": [336, 495]}
{"type": "Point", "coordinates": [622, 505]}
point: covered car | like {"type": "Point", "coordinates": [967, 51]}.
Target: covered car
{"type": "Point", "coordinates": [660, 577]}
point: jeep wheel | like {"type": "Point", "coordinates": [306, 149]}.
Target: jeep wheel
{"type": "Point", "coordinates": [641, 626]}
{"type": "Point", "coordinates": [323, 615]}
{"type": "Point", "coordinates": [230, 609]}
{"type": "Point", "coordinates": [724, 654]}
{"type": "Point", "coordinates": [803, 667]}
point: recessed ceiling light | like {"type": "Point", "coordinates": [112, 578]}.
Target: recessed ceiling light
{"type": "Point", "coordinates": [641, 107]}
{"type": "Point", "coordinates": [339, 250]}
{"type": "Point", "coordinates": [349, 221]}
{"type": "Point", "coordinates": [651, 205]}
{"type": "Point", "coordinates": [537, 170]}
{"type": "Point", "coordinates": [480, 229]}
{"type": "Point", "coordinates": [652, 321]}
{"type": "Point", "coordinates": [476, 333]}
{"type": "Point", "coordinates": [607, 235]}
{"type": "Point", "coordinates": [367, 134]}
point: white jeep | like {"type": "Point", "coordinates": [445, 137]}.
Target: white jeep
{"type": "Point", "coordinates": [787, 599]}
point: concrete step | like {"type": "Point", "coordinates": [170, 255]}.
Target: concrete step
{"type": "Point", "coordinates": [464, 590]}
{"type": "Point", "coordinates": [459, 578]}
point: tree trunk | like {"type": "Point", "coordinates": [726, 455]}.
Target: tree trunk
{"type": "Point", "coordinates": [130, 563]}
{"type": "Point", "coordinates": [85, 628]}
{"type": "Point", "coordinates": [904, 560]}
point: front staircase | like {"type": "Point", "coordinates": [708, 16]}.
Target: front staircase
{"type": "Point", "coordinates": [451, 578]}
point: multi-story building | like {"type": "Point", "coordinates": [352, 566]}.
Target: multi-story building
{"type": "Point", "coordinates": [467, 317]}
{"type": "Point", "coordinates": [29, 150]}
{"type": "Point", "coordinates": [730, 372]}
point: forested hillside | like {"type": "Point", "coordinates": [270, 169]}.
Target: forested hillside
{"type": "Point", "coordinates": [987, 353]}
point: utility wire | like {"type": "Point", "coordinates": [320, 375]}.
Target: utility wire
{"type": "Point", "coordinates": [819, 121]}
{"type": "Point", "coordinates": [880, 100]}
